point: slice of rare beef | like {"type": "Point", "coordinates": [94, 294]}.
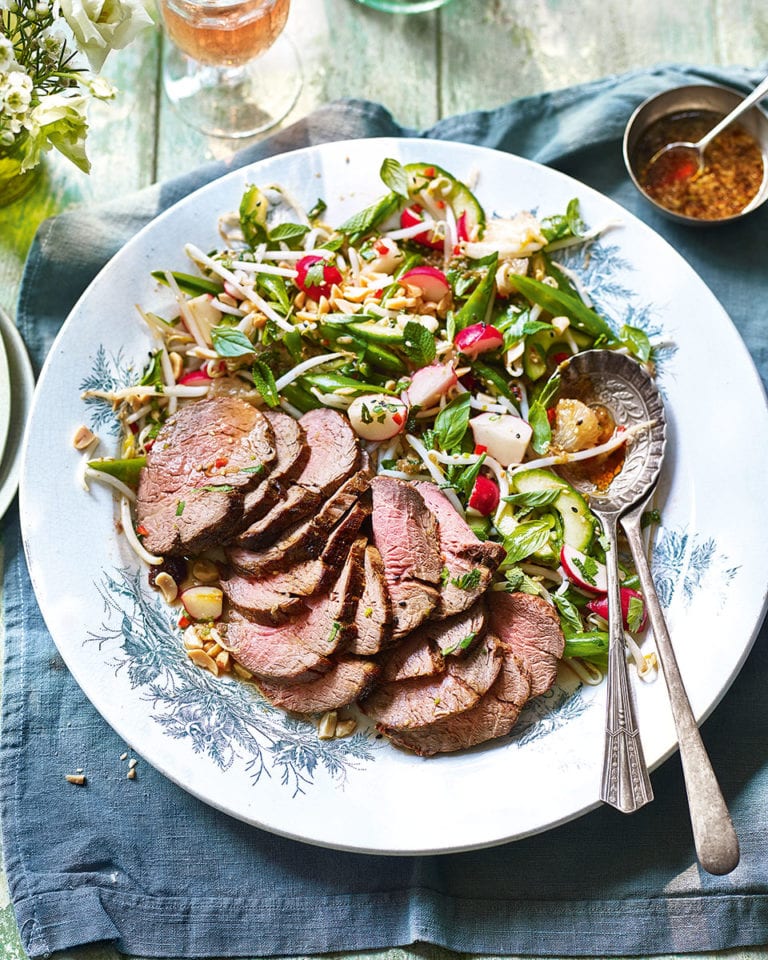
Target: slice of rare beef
{"type": "Point", "coordinates": [374, 618]}
{"type": "Point", "coordinates": [293, 650]}
{"type": "Point", "coordinates": [310, 575]}
{"type": "Point", "coordinates": [493, 716]}
{"type": "Point", "coordinates": [333, 455]}
{"type": "Point", "coordinates": [423, 652]}
{"type": "Point", "coordinates": [406, 535]}
{"type": "Point", "coordinates": [260, 598]}
{"type": "Point", "coordinates": [530, 627]}
{"type": "Point", "coordinates": [411, 704]}
{"type": "Point", "coordinates": [308, 538]}
{"type": "Point", "coordinates": [292, 453]}
{"type": "Point", "coordinates": [204, 460]}
{"type": "Point", "coordinates": [349, 679]}
{"type": "Point", "coordinates": [470, 563]}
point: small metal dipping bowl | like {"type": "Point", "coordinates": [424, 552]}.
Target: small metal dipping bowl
{"type": "Point", "coordinates": [720, 100]}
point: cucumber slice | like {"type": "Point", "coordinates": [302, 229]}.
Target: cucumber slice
{"type": "Point", "coordinates": [578, 520]}
{"type": "Point", "coordinates": [460, 197]}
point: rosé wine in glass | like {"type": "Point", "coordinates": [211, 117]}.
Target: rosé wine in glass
{"type": "Point", "coordinates": [228, 69]}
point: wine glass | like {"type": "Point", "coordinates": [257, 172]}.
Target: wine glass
{"type": "Point", "coordinates": [229, 71]}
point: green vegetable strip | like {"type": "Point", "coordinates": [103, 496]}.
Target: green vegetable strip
{"type": "Point", "coordinates": [126, 470]}
{"type": "Point", "coordinates": [300, 398]}
{"type": "Point", "coordinates": [475, 310]}
{"type": "Point", "coordinates": [189, 283]}
{"type": "Point", "coordinates": [559, 303]}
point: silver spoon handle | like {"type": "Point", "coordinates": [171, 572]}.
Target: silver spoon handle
{"type": "Point", "coordinates": [757, 94]}
{"type": "Point", "coordinates": [717, 846]}
{"type": "Point", "coordinates": [625, 783]}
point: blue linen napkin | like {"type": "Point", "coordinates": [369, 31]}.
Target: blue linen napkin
{"type": "Point", "coordinates": [147, 866]}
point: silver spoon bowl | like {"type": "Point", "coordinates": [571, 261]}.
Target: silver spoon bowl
{"type": "Point", "coordinates": [632, 398]}
{"type": "Point", "coordinates": [682, 152]}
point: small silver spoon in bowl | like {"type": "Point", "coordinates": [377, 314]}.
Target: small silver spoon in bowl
{"type": "Point", "coordinates": [682, 155]}
{"type": "Point", "coordinates": [620, 385]}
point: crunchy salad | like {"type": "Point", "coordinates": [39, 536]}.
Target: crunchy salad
{"type": "Point", "coordinates": [438, 331]}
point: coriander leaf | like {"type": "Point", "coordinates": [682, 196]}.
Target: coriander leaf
{"type": "Point", "coordinates": [635, 612]}
{"type": "Point", "coordinates": [587, 568]}
{"type": "Point", "coordinates": [636, 341]}
{"type": "Point", "coordinates": [525, 539]}
{"type": "Point", "coordinates": [264, 381]}
{"type": "Point", "coordinates": [519, 582]}
{"type": "Point", "coordinates": [467, 581]}
{"type": "Point", "coordinates": [418, 344]}
{"type": "Point", "coordinates": [253, 216]}
{"type": "Point", "coordinates": [394, 176]}
{"type": "Point", "coordinates": [452, 422]}
{"type": "Point", "coordinates": [230, 342]}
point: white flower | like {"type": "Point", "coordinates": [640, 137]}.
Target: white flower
{"type": "Point", "coordinates": [100, 26]}
{"type": "Point", "coordinates": [16, 92]}
{"type": "Point", "coordinates": [7, 56]}
{"type": "Point", "coordinates": [99, 87]}
{"type": "Point", "coordinates": [59, 120]}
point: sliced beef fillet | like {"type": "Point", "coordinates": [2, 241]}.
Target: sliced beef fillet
{"type": "Point", "coordinates": [423, 653]}
{"type": "Point", "coordinates": [406, 535]}
{"type": "Point", "coordinates": [529, 627]}
{"type": "Point", "coordinates": [312, 576]}
{"type": "Point", "coordinates": [260, 598]}
{"type": "Point", "coordinates": [308, 538]}
{"type": "Point", "coordinates": [295, 650]}
{"type": "Point", "coordinates": [374, 618]}
{"type": "Point", "coordinates": [205, 459]}
{"type": "Point", "coordinates": [412, 704]}
{"type": "Point", "coordinates": [333, 455]}
{"type": "Point", "coordinates": [493, 716]}
{"type": "Point", "coordinates": [470, 562]}
{"type": "Point", "coordinates": [349, 679]}
{"type": "Point", "coordinates": [292, 453]}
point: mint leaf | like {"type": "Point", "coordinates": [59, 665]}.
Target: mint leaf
{"type": "Point", "coordinates": [534, 498]}
{"type": "Point", "coordinates": [636, 341]}
{"type": "Point", "coordinates": [264, 381]}
{"type": "Point", "coordinates": [418, 344]}
{"type": "Point", "coordinates": [587, 568]}
{"type": "Point", "coordinates": [569, 615]}
{"type": "Point", "coordinates": [253, 216]}
{"type": "Point", "coordinates": [562, 226]}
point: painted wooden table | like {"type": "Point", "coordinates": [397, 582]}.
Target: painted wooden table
{"type": "Point", "coordinates": [471, 54]}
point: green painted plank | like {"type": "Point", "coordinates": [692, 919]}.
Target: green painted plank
{"type": "Point", "coordinates": [496, 50]}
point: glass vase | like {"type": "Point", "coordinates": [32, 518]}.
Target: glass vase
{"type": "Point", "coordinates": [13, 183]}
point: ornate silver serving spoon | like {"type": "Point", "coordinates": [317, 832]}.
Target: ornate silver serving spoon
{"type": "Point", "coordinates": [611, 380]}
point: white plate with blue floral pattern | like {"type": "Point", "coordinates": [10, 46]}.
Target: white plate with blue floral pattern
{"type": "Point", "coordinates": [216, 737]}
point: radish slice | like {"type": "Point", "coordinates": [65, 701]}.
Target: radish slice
{"type": "Point", "coordinates": [478, 338]}
{"type": "Point", "coordinates": [584, 571]}
{"type": "Point", "coordinates": [410, 217]}
{"type": "Point", "coordinates": [485, 496]}
{"type": "Point", "coordinates": [193, 378]}
{"type": "Point", "coordinates": [377, 416]}
{"type": "Point", "coordinates": [432, 282]}
{"type": "Point", "coordinates": [600, 607]}
{"type": "Point", "coordinates": [315, 276]}
{"type": "Point", "coordinates": [430, 383]}
{"type": "Point", "coordinates": [203, 602]}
